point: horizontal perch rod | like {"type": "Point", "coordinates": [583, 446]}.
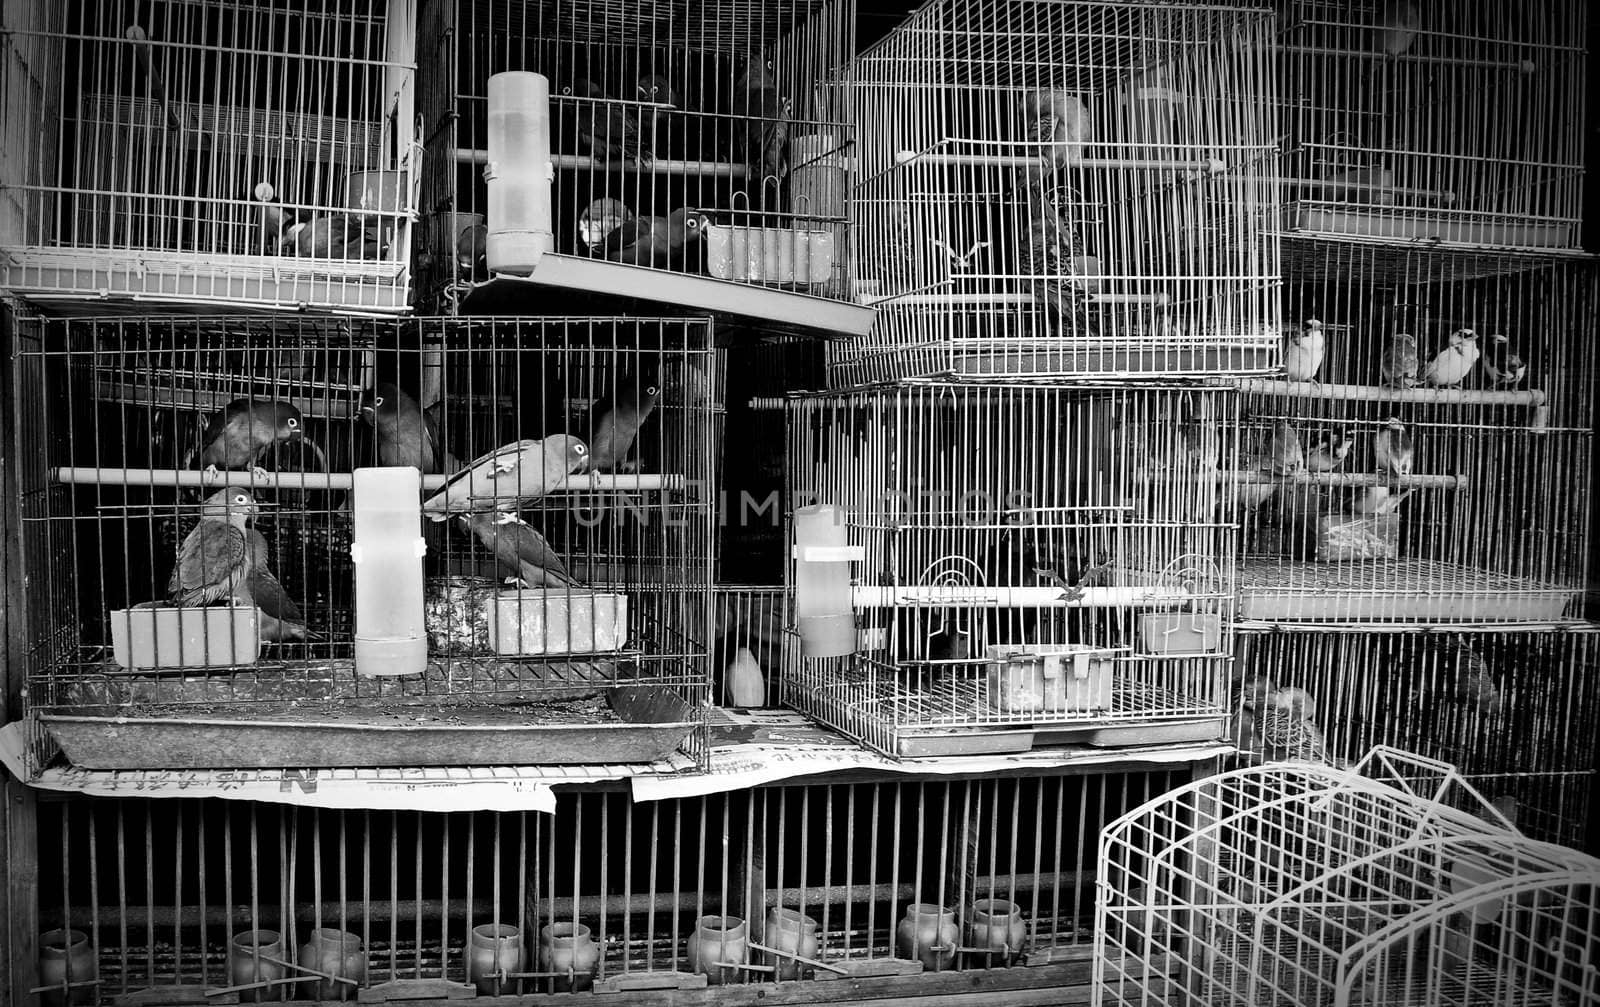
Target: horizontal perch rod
{"type": "Point", "coordinates": [1518, 65]}
{"type": "Point", "coordinates": [705, 169]}
{"type": "Point", "coordinates": [92, 476]}
{"type": "Point", "coordinates": [1209, 166]}
{"type": "Point", "coordinates": [979, 596]}
{"type": "Point", "coordinates": [1379, 393]}
{"type": "Point", "coordinates": [1258, 478]}
{"type": "Point", "coordinates": [939, 300]}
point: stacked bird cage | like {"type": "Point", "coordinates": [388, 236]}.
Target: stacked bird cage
{"type": "Point", "coordinates": [1425, 455]}
{"type": "Point", "coordinates": [195, 548]}
{"type": "Point", "coordinates": [210, 153]}
{"type": "Point", "coordinates": [1034, 563]}
{"type": "Point", "coordinates": [696, 157]}
{"type": "Point", "coordinates": [1391, 883]}
{"type": "Point", "coordinates": [1063, 189]}
{"type": "Point", "coordinates": [602, 893]}
{"type": "Point", "coordinates": [1422, 120]}
{"type": "Point", "coordinates": [1513, 709]}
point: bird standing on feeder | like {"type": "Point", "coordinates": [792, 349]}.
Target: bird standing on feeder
{"type": "Point", "coordinates": [1057, 119]}
{"type": "Point", "coordinates": [607, 131]}
{"type": "Point", "coordinates": [522, 552]}
{"type": "Point", "coordinates": [1329, 450]}
{"type": "Point", "coordinates": [1399, 363]}
{"type": "Point", "coordinates": [654, 241]}
{"type": "Point", "coordinates": [1303, 350]}
{"type": "Point", "coordinates": [1454, 362]}
{"type": "Point", "coordinates": [215, 559]}
{"type": "Point", "coordinates": [1504, 367]}
{"type": "Point", "coordinates": [764, 140]}
{"type": "Point", "coordinates": [240, 435]}
{"type": "Point", "coordinates": [616, 422]}
{"type": "Point", "coordinates": [509, 477]}
{"type": "Point", "coordinates": [405, 434]}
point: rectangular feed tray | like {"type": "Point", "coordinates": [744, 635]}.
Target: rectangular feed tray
{"type": "Point", "coordinates": [623, 724]}
{"type": "Point", "coordinates": [1388, 224]}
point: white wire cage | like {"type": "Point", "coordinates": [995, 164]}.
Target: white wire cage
{"type": "Point", "coordinates": [1425, 455]}
{"type": "Point", "coordinates": [697, 157]}
{"type": "Point", "coordinates": [1427, 121]}
{"type": "Point", "coordinates": [1079, 188]}
{"type": "Point", "coordinates": [1290, 883]}
{"type": "Point", "coordinates": [1002, 530]}
{"type": "Point", "coordinates": [1512, 709]}
{"type": "Point", "coordinates": [229, 155]}
{"type": "Point", "coordinates": [567, 621]}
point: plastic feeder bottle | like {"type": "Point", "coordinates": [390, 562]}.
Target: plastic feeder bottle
{"type": "Point", "coordinates": [387, 551]}
{"type": "Point", "coordinates": [519, 174]}
{"type": "Point", "coordinates": [822, 590]}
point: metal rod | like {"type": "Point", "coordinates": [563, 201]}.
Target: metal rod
{"type": "Point", "coordinates": [1258, 478]}
{"type": "Point", "coordinates": [1442, 195]}
{"type": "Point", "coordinates": [957, 300]}
{"type": "Point", "coordinates": [581, 162]}
{"type": "Point", "coordinates": [1209, 166]}
{"type": "Point", "coordinates": [981, 596]}
{"type": "Point", "coordinates": [1526, 66]}
{"type": "Point", "coordinates": [88, 475]}
{"type": "Point", "coordinates": [1377, 393]}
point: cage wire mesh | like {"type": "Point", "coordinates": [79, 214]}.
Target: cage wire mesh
{"type": "Point", "coordinates": [160, 887]}
{"type": "Point", "coordinates": [1430, 121]}
{"type": "Point", "coordinates": [750, 645]}
{"type": "Point", "coordinates": [1512, 710]}
{"type": "Point", "coordinates": [1005, 526]}
{"type": "Point", "coordinates": [118, 419]}
{"type": "Point", "coordinates": [1065, 188]}
{"type": "Point", "coordinates": [692, 139]}
{"type": "Point", "coordinates": [210, 153]}
{"type": "Point", "coordinates": [1426, 454]}
{"type": "Point", "coordinates": [1393, 882]}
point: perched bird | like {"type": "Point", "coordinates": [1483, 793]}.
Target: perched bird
{"type": "Point", "coordinates": [1454, 362]}
{"type": "Point", "coordinates": [1051, 249]}
{"type": "Point", "coordinates": [1303, 349]}
{"type": "Point", "coordinates": [1329, 449]}
{"type": "Point", "coordinates": [215, 558]}
{"type": "Point", "coordinates": [238, 437]}
{"type": "Point", "coordinates": [1393, 448]}
{"type": "Point", "coordinates": [509, 477]}
{"type": "Point", "coordinates": [608, 131]}
{"type": "Point", "coordinates": [326, 236]}
{"type": "Point", "coordinates": [279, 619]}
{"type": "Point", "coordinates": [521, 551]}
{"type": "Point", "coordinates": [615, 423]}
{"type": "Point", "coordinates": [1250, 702]}
{"type": "Point", "coordinates": [406, 435]}
{"type": "Point", "coordinates": [472, 253]}
{"type": "Point", "coordinates": [1503, 366]}
{"type": "Point", "coordinates": [654, 90]}
{"type": "Point", "coordinates": [1398, 363]}
{"type": "Point", "coordinates": [1283, 455]}
{"type": "Point", "coordinates": [1398, 26]}
{"type": "Point", "coordinates": [1056, 118]}
{"type": "Point", "coordinates": [949, 643]}
{"type": "Point", "coordinates": [654, 241]}
{"type": "Point", "coordinates": [746, 685]}
{"type": "Point", "coordinates": [764, 140]}
{"type": "Point", "coordinates": [1288, 728]}
{"type": "Point", "coordinates": [599, 219]}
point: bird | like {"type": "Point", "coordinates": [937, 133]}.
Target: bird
{"type": "Point", "coordinates": [607, 131]}
{"type": "Point", "coordinates": [1284, 455]}
{"type": "Point", "coordinates": [746, 685]}
{"type": "Point", "coordinates": [654, 241]}
{"type": "Point", "coordinates": [1329, 449]}
{"type": "Point", "coordinates": [599, 219]}
{"type": "Point", "coordinates": [615, 422]}
{"type": "Point", "coordinates": [1050, 252]}
{"type": "Point", "coordinates": [1398, 363]}
{"type": "Point", "coordinates": [521, 551]}
{"type": "Point", "coordinates": [1303, 350]}
{"type": "Point", "coordinates": [331, 235]}
{"type": "Point", "coordinates": [509, 478]}
{"type": "Point", "coordinates": [1288, 728]}
{"type": "Point", "coordinates": [764, 138]}
{"type": "Point", "coordinates": [1393, 448]}
{"type": "Point", "coordinates": [1399, 24]}
{"type": "Point", "coordinates": [472, 253]}
{"type": "Point", "coordinates": [214, 559]}
{"type": "Point", "coordinates": [1059, 120]}
{"type": "Point", "coordinates": [406, 435]}
{"type": "Point", "coordinates": [1503, 366]}
{"type": "Point", "coordinates": [240, 435]}
{"type": "Point", "coordinates": [1454, 362]}
{"type": "Point", "coordinates": [655, 90]}
{"type": "Point", "coordinates": [279, 619]}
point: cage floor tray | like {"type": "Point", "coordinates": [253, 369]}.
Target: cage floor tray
{"type": "Point", "coordinates": [620, 724]}
{"type": "Point", "coordinates": [1399, 590]}
{"type": "Point", "coordinates": [1410, 225]}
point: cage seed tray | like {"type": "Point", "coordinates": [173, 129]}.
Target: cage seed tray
{"type": "Point", "coordinates": [620, 724]}
{"type": "Point", "coordinates": [1275, 589]}
{"type": "Point", "coordinates": [1390, 225]}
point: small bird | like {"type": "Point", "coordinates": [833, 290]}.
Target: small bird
{"type": "Point", "coordinates": [1398, 26]}
{"type": "Point", "coordinates": [615, 422]}
{"type": "Point", "coordinates": [241, 434]}
{"type": "Point", "coordinates": [1503, 366]}
{"type": "Point", "coordinates": [1283, 455]}
{"type": "Point", "coordinates": [325, 236]}
{"type": "Point", "coordinates": [279, 619]}
{"type": "Point", "coordinates": [405, 434]}
{"type": "Point", "coordinates": [1454, 362]}
{"type": "Point", "coordinates": [521, 551]}
{"type": "Point", "coordinates": [1329, 449]}
{"type": "Point", "coordinates": [949, 643]}
{"type": "Point", "coordinates": [655, 90]}
{"type": "Point", "coordinates": [472, 253]}
{"type": "Point", "coordinates": [1288, 728]}
{"type": "Point", "coordinates": [1393, 448]}
{"type": "Point", "coordinates": [654, 241]}
{"type": "Point", "coordinates": [599, 219]}
{"type": "Point", "coordinates": [608, 131]}
{"type": "Point", "coordinates": [1051, 249]}
{"type": "Point", "coordinates": [215, 559]}
{"type": "Point", "coordinates": [1303, 350]}
{"type": "Point", "coordinates": [509, 477]}
{"type": "Point", "coordinates": [746, 685]}
{"type": "Point", "coordinates": [1398, 363]}
{"type": "Point", "coordinates": [1057, 118]}
{"type": "Point", "coordinates": [764, 140]}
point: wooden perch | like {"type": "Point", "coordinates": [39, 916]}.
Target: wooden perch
{"type": "Point", "coordinates": [1256, 477]}
{"type": "Point", "coordinates": [659, 166]}
{"type": "Point", "coordinates": [1378, 393]}
{"type": "Point", "coordinates": [199, 478]}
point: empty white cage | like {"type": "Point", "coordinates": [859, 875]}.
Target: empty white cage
{"type": "Point", "coordinates": [1424, 120]}
{"type": "Point", "coordinates": [214, 152]}
{"type": "Point", "coordinates": [1291, 883]}
{"type": "Point", "coordinates": [1004, 529]}
{"type": "Point", "coordinates": [1065, 188]}
{"type": "Point", "coordinates": [1441, 406]}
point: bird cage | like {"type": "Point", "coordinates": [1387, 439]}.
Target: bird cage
{"type": "Point", "coordinates": [1512, 709]}
{"type": "Point", "coordinates": [1424, 456]}
{"type": "Point", "coordinates": [1028, 559]}
{"type": "Point", "coordinates": [1081, 188]}
{"type": "Point", "coordinates": [1428, 121]}
{"type": "Point", "coordinates": [426, 895]}
{"type": "Point", "coordinates": [694, 156]}
{"type": "Point", "coordinates": [210, 152]}
{"type": "Point", "coordinates": [1393, 882]}
{"type": "Point", "coordinates": [750, 643]}
{"type": "Point", "coordinates": [561, 476]}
